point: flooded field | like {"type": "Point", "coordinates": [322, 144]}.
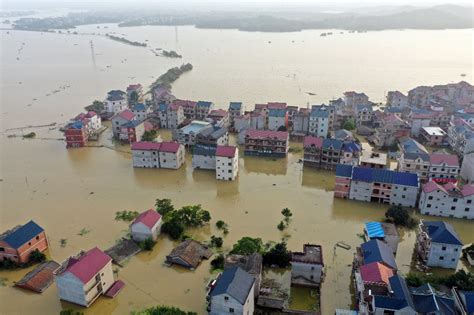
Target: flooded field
{"type": "Point", "coordinates": [68, 190]}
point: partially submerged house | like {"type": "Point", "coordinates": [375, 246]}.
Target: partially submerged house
{"type": "Point", "coordinates": [40, 278]}
{"type": "Point", "coordinates": [374, 251]}
{"type": "Point", "coordinates": [438, 244]}
{"type": "Point", "coordinates": [18, 243]}
{"type": "Point", "coordinates": [84, 278]}
{"type": "Point", "coordinates": [233, 293]}
{"type": "Point", "coordinates": [307, 266]}
{"type": "Point", "coordinates": [188, 254]}
{"type": "Point", "coordinates": [250, 263]}
{"type": "Point", "coordinates": [383, 231]}
{"type": "Point", "coordinates": [146, 226]}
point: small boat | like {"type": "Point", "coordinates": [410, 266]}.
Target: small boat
{"type": "Point", "coordinates": [343, 245]}
{"type": "Point", "coordinates": [463, 74]}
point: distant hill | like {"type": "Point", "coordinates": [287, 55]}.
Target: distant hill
{"type": "Point", "coordinates": [375, 18]}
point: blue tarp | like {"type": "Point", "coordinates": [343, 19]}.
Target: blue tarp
{"type": "Point", "coordinates": [374, 230]}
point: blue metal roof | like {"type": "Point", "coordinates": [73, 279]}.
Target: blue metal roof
{"type": "Point", "coordinates": [235, 105]}
{"type": "Point", "coordinates": [468, 299]}
{"type": "Point", "coordinates": [163, 107]}
{"type": "Point", "coordinates": [319, 111]}
{"type": "Point", "coordinates": [203, 104]}
{"type": "Point", "coordinates": [378, 251]}
{"type": "Point", "coordinates": [334, 143]}
{"type": "Point", "coordinates": [351, 147]}
{"type": "Point", "coordinates": [427, 301]}
{"type": "Point", "coordinates": [374, 230]}
{"type": "Point", "coordinates": [131, 124]}
{"type": "Point", "coordinates": [75, 125]}
{"type": "Point", "coordinates": [400, 289]}
{"type": "Point", "coordinates": [389, 303]}
{"type": "Point", "coordinates": [139, 107]}
{"type": "Point", "coordinates": [204, 150]}
{"type": "Point", "coordinates": [235, 282]}
{"type": "Point", "coordinates": [442, 232]}
{"type": "Point", "coordinates": [23, 234]}
{"type": "Point", "coordinates": [384, 176]}
{"type": "Point", "coordinates": [276, 112]}
{"type": "Point", "coordinates": [343, 170]}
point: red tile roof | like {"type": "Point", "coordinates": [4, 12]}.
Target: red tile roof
{"type": "Point", "coordinates": [439, 158]}
{"type": "Point", "coordinates": [218, 112]}
{"type": "Point", "coordinates": [133, 87]}
{"type": "Point", "coordinates": [88, 265]}
{"type": "Point", "coordinates": [149, 218]}
{"type": "Point", "coordinates": [226, 151]}
{"type": "Point", "coordinates": [467, 190]}
{"type": "Point", "coordinates": [266, 134]}
{"type": "Point", "coordinates": [171, 147]}
{"type": "Point", "coordinates": [126, 114]}
{"type": "Point", "coordinates": [115, 289]}
{"type": "Point", "coordinates": [376, 272]}
{"type": "Point", "coordinates": [146, 145]}
{"type": "Point", "coordinates": [313, 141]}
{"type": "Point", "coordinates": [431, 186]}
{"type": "Point", "coordinates": [185, 103]}
{"type": "Point", "coordinates": [276, 105]}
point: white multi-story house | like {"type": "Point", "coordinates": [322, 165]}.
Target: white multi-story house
{"type": "Point", "coordinates": [146, 226]}
{"type": "Point", "coordinates": [460, 133]}
{"type": "Point", "coordinates": [91, 121]}
{"type": "Point", "coordinates": [204, 157]}
{"type": "Point", "coordinates": [467, 168]}
{"type": "Point", "coordinates": [438, 244]}
{"type": "Point", "coordinates": [203, 108]}
{"type": "Point", "coordinates": [149, 154]}
{"type": "Point", "coordinates": [352, 99]}
{"type": "Point", "coordinates": [277, 118]}
{"type": "Point", "coordinates": [120, 119]}
{"type": "Point", "coordinates": [377, 185]}
{"type": "Point", "coordinates": [307, 267]}
{"type": "Point", "coordinates": [83, 278]}
{"type": "Point", "coordinates": [364, 114]}
{"type": "Point", "coordinates": [171, 115]}
{"type": "Point", "coordinates": [233, 293]}
{"type": "Point", "coordinates": [258, 120]}
{"type": "Point", "coordinates": [447, 200]}
{"type": "Point", "coordinates": [443, 167]}
{"type": "Point", "coordinates": [236, 109]}
{"type": "Point", "coordinates": [319, 121]}
{"type": "Point", "coordinates": [227, 162]}
{"type": "Point", "coordinates": [116, 101]}
{"type": "Point", "coordinates": [414, 158]}
{"type": "Point", "coordinates": [397, 99]}
{"type": "Point", "coordinates": [187, 134]}
{"type": "Point", "coordinates": [140, 111]}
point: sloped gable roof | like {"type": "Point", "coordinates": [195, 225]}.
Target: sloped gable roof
{"type": "Point", "coordinates": [378, 251]}
{"type": "Point", "coordinates": [442, 232]}
{"type": "Point", "coordinates": [235, 282]}
{"type": "Point", "coordinates": [88, 264]}
{"type": "Point", "coordinates": [19, 236]}
{"type": "Point", "coordinates": [148, 218]}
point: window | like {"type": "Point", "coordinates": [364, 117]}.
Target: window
{"type": "Point", "coordinates": [29, 243]}
{"type": "Point", "coordinates": [455, 200]}
{"type": "Point", "coordinates": [428, 205]}
{"type": "Point", "coordinates": [455, 249]}
{"type": "Point", "coordinates": [443, 248]}
{"type": "Point", "coordinates": [469, 201]}
{"type": "Point", "coordinates": [453, 208]}
{"type": "Point", "coordinates": [430, 198]}
{"type": "Point", "coordinates": [231, 310]}
{"type": "Point", "coordinates": [2, 249]}
{"type": "Point", "coordinates": [226, 298]}
{"type": "Point", "coordinates": [441, 257]}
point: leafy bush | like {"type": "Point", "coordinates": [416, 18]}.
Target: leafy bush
{"type": "Point", "coordinates": [399, 216]}
{"type": "Point", "coordinates": [164, 206]}
{"type": "Point", "coordinates": [278, 255]}
{"type": "Point", "coordinates": [163, 310]}
{"type": "Point", "coordinates": [216, 241]}
{"type": "Point", "coordinates": [218, 262]}
{"type": "Point", "coordinates": [37, 257]}
{"type": "Point", "coordinates": [281, 226]}
{"type": "Point", "coordinates": [149, 135]}
{"type": "Point", "coordinates": [147, 244]}
{"type": "Point", "coordinates": [174, 228]}
{"type": "Point", "coordinates": [247, 245]}
{"type": "Point", "coordinates": [126, 216]}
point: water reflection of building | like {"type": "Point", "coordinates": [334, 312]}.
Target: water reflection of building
{"type": "Point", "coordinates": [318, 178]}
{"type": "Point", "coordinates": [153, 178]}
{"type": "Point", "coordinates": [265, 166]}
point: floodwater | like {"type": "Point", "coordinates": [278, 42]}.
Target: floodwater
{"type": "Point", "coordinates": [48, 78]}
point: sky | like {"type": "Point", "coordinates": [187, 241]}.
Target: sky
{"type": "Point", "coordinates": [38, 4]}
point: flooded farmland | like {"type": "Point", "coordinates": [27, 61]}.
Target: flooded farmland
{"type": "Point", "coordinates": [69, 190]}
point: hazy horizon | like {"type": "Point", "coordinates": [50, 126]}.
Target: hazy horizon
{"type": "Point", "coordinates": [221, 4]}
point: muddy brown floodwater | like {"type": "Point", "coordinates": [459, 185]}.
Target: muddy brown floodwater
{"type": "Point", "coordinates": [68, 190]}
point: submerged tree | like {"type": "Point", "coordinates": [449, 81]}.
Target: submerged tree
{"type": "Point", "coordinates": [247, 245]}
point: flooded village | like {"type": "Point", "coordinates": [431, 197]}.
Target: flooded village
{"type": "Point", "coordinates": [148, 198]}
